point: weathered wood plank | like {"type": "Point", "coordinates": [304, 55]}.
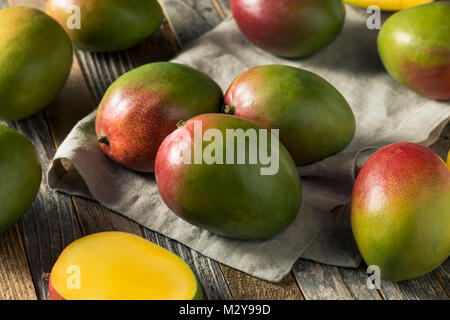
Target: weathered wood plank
{"type": "Point", "coordinates": [50, 224]}
{"type": "Point", "coordinates": [426, 287]}
{"type": "Point", "coordinates": [318, 282]}
{"type": "Point", "coordinates": [245, 287]}
{"type": "Point", "coordinates": [15, 278]}
{"type": "Point", "coordinates": [190, 18]}
{"type": "Point", "coordinates": [442, 145]}
{"type": "Point", "coordinates": [223, 6]}
{"type": "Point", "coordinates": [443, 275]}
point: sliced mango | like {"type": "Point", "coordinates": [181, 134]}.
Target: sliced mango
{"type": "Point", "coordinates": [120, 266]}
{"type": "Point", "coordinates": [448, 160]}
{"type": "Point", "coordinates": [388, 5]}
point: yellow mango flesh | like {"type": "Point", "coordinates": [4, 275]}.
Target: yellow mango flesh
{"type": "Point", "coordinates": [121, 266]}
{"type": "Point", "coordinates": [448, 159]}
{"type": "Point", "coordinates": [388, 5]}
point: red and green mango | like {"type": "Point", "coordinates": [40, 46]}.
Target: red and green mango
{"type": "Point", "coordinates": [414, 46]}
{"type": "Point", "coordinates": [35, 61]}
{"type": "Point", "coordinates": [289, 28]}
{"type": "Point", "coordinates": [314, 119]}
{"type": "Point", "coordinates": [107, 25]}
{"type": "Point", "coordinates": [143, 106]}
{"type": "Point", "coordinates": [229, 199]}
{"type": "Point", "coordinates": [400, 211]}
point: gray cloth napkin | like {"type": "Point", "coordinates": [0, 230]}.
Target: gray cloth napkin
{"type": "Point", "coordinates": [386, 112]}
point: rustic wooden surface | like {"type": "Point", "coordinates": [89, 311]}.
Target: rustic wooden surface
{"type": "Point", "coordinates": [28, 250]}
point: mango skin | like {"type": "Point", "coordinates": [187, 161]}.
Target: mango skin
{"type": "Point", "coordinates": [108, 25]}
{"type": "Point", "coordinates": [35, 61]}
{"type": "Point", "coordinates": [232, 200]}
{"type": "Point", "coordinates": [20, 176]}
{"type": "Point", "coordinates": [289, 28]}
{"type": "Point", "coordinates": [400, 211]}
{"type": "Point", "coordinates": [314, 119]}
{"type": "Point", "coordinates": [143, 106]}
{"type": "Point", "coordinates": [414, 46]}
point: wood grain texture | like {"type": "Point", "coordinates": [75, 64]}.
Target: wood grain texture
{"type": "Point", "coordinates": [323, 282]}
{"type": "Point", "coordinates": [50, 224]}
{"type": "Point", "coordinates": [245, 287]}
{"type": "Point", "coordinates": [223, 6]}
{"type": "Point", "coordinates": [15, 277]}
{"type": "Point", "coordinates": [191, 18]}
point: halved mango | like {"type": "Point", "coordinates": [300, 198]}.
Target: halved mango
{"type": "Point", "coordinates": [448, 160]}
{"type": "Point", "coordinates": [388, 5]}
{"type": "Point", "coordinates": [120, 266]}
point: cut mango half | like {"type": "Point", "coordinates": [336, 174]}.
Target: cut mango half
{"type": "Point", "coordinates": [120, 266]}
{"type": "Point", "coordinates": [388, 5]}
{"type": "Point", "coordinates": [448, 160]}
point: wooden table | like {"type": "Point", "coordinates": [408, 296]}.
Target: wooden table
{"type": "Point", "coordinates": [29, 249]}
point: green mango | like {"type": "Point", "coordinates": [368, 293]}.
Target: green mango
{"type": "Point", "coordinates": [35, 61]}
{"type": "Point", "coordinates": [314, 119]}
{"type": "Point", "coordinates": [107, 25]}
{"type": "Point", "coordinates": [219, 193]}
{"type": "Point", "coordinates": [20, 176]}
{"type": "Point", "coordinates": [414, 45]}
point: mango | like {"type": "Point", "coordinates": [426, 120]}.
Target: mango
{"type": "Point", "coordinates": [20, 176]}
{"type": "Point", "coordinates": [225, 188]}
{"type": "Point", "coordinates": [289, 28]}
{"type": "Point", "coordinates": [448, 159]}
{"type": "Point", "coordinates": [107, 25]}
{"type": "Point", "coordinates": [143, 107]}
{"type": "Point", "coordinates": [35, 61]}
{"type": "Point", "coordinates": [314, 119]}
{"type": "Point", "coordinates": [414, 46]}
{"type": "Point", "coordinates": [400, 211]}
{"type": "Point", "coordinates": [388, 5]}
{"type": "Point", "coordinates": [120, 266]}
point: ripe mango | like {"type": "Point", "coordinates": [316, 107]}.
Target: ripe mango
{"type": "Point", "coordinates": [289, 28]}
{"type": "Point", "coordinates": [20, 176]}
{"type": "Point", "coordinates": [120, 266]}
{"type": "Point", "coordinates": [35, 61]}
{"type": "Point", "coordinates": [414, 46]}
{"type": "Point", "coordinates": [229, 198]}
{"type": "Point", "coordinates": [143, 107]}
{"type": "Point", "coordinates": [107, 25]}
{"type": "Point", "coordinates": [400, 211]}
{"type": "Point", "coordinates": [314, 119]}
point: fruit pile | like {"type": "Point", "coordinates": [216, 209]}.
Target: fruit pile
{"type": "Point", "coordinates": [240, 178]}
